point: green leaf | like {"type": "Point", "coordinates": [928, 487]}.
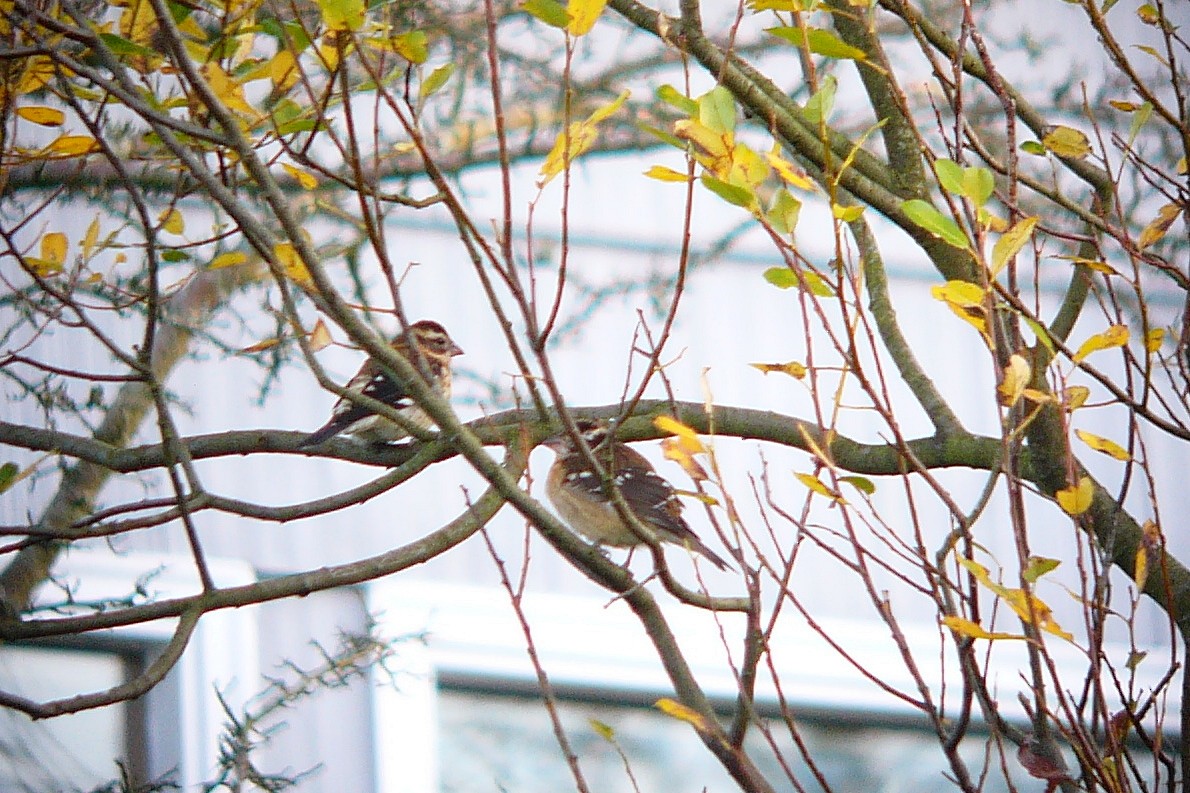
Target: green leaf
{"type": "Point", "coordinates": [122, 46]}
{"type": "Point", "coordinates": [716, 110]}
{"type": "Point", "coordinates": [781, 277]}
{"type": "Point", "coordinates": [342, 14]}
{"type": "Point", "coordinates": [8, 475]}
{"type": "Point", "coordinates": [672, 96]}
{"type": "Point", "coordinates": [1033, 147]}
{"type": "Point", "coordinates": [1038, 566]}
{"type": "Point", "coordinates": [816, 285]}
{"type": "Point", "coordinates": [784, 212]}
{"type": "Point", "coordinates": [819, 106]}
{"type": "Point", "coordinates": [978, 184]}
{"type": "Point", "coordinates": [1138, 121]}
{"type": "Point", "coordinates": [925, 216]}
{"type": "Point", "coordinates": [548, 11]}
{"type": "Point", "coordinates": [663, 136]}
{"type": "Point", "coordinates": [432, 84]}
{"type": "Point", "coordinates": [950, 176]}
{"type": "Point", "coordinates": [732, 194]}
{"type": "Point", "coordinates": [819, 41]}
{"type": "Point", "coordinates": [860, 483]}
{"type": "Point", "coordinates": [173, 255]}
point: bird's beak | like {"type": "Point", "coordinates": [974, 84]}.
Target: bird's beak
{"type": "Point", "coordinates": [455, 350]}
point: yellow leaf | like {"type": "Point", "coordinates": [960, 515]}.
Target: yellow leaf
{"type": "Point", "coordinates": [304, 178]}
{"type": "Point", "coordinates": [965, 627]}
{"type": "Point", "coordinates": [792, 368]}
{"type": "Point", "coordinates": [38, 71]}
{"type": "Point", "coordinates": [663, 174]}
{"type": "Point", "coordinates": [53, 247]}
{"type": "Point", "coordinates": [90, 239]}
{"type": "Point", "coordinates": [1099, 444]}
{"type": "Point", "coordinates": [172, 221]}
{"type": "Point", "coordinates": [45, 116]}
{"type": "Point", "coordinates": [1140, 572]}
{"type": "Point", "coordinates": [283, 70]}
{"type": "Point", "coordinates": [1028, 608]}
{"type": "Point", "coordinates": [228, 89]}
{"type": "Point", "coordinates": [1067, 142]}
{"type": "Point", "coordinates": [1016, 377]}
{"type": "Point", "coordinates": [965, 299]}
{"type": "Point", "coordinates": [293, 265]}
{"type": "Point", "coordinates": [788, 172]}
{"type": "Point", "coordinates": [1076, 396]}
{"type": "Point", "coordinates": [320, 337]}
{"type": "Point", "coordinates": [583, 14]}
{"type": "Point", "coordinates": [674, 449]}
{"type": "Point", "coordinates": [138, 22]}
{"type": "Point", "coordinates": [1076, 499]}
{"type": "Point", "coordinates": [603, 730]}
{"type": "Point", "coordinates": [229, 259]}
{"type": "Point", "coordinates": [1156, 229]}
{"type": "Point", "coordinates": [576, 140]}
{"type": "Point", "coordinates": [1095, 264]}
{"type": "Point", "coordinates": [1115, 336]}
{"type": "Point", "coordinates": [72, 146]}
{"type": "Point", "coordinates": [816, 485]}
{"type": "Point", "coordinates": [1154, 338]}
{"type": "Point", "coordinates": [1010, 243]}
{"type": "Point", "coordinates": [688, 436]}
{"type": "Point", "coordinates": [677, 710]}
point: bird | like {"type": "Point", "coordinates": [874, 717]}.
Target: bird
{"type": "Point", "coordinates": [350, 418]}
{"type": "Point", "coordinates": [580, 498]}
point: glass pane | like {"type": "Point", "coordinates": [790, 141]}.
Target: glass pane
{"type": "Point", "coordinates": [490, 743]}
{"type": "Point", "coordinates": [66, 753]}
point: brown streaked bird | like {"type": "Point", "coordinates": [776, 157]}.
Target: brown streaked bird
{"type": "Point", "coordinates": [578, 494]}
{"type": "Point", "coordinates": [349, 418]}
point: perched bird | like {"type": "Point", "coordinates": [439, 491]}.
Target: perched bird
{"type": "Point", "coordinates": [350, 418]}
{"type": "Point", "coordinates": [578, 494]}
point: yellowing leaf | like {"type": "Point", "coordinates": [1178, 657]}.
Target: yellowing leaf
{"type": "Point", "coordinates": [45, 116]}
{"type": "Point", "coordinates": [965, 627]}
{"type": "Point", "coordinates": [412, 46]}
{"type": "Point", "coordinates": [1158, 226]}
{"type": "Point", "coordinates": [434, 82]}
{"type": "Point", "coordinates": [583, 14]}
{"type": "Point", "coordinates": [677, 710]}
{"type": "Point", "coordinates": [1076, 396]}
{"type": "Point", "coordinates": [1115, 336]}
{"type": "Point", "coordinates": [847, 213]}
{"type": "Point", "coordinates": [1016, 377]}
{"type": "Point", "coordinates": [304, 178]}
{"type": "Point", "coordinates": [1076, 499]}
{"type": "Point", "coordinates": [320, 336]}
{"type": "Point", "coordinates": [663, 174]}
{"type": "Point", "coordinates": [228, 259]}
{"type": "Point", "coordinates": [1099, 444]}
{"type": "Point", "coordinates": [229, 90]}
{"type": "Point", "coordinates": [1067, 142]}
{"type": "Point", "coordinates": [283, 71]}
{"type": "Point", "coordinates": [172, 221]}
{"type": "Point", "coordinates": [816, 485]}
{"type": "Point", "coordinates": [342, 14]}
{"type": "Point", "coordinates": [791, 368]}
{"type": "Point", "coordinates": [38, 71]}
{"type": "Point", "coordinates": [1010, 243]}
{"type": "Point", "coordinates": [965, 299]}
{"type": "Point", "coordinates": [1028, 607]}
{"type": "Point", "coordinates": [576, 140]}
{"type": "Point", "coordinates": [260, 346]}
